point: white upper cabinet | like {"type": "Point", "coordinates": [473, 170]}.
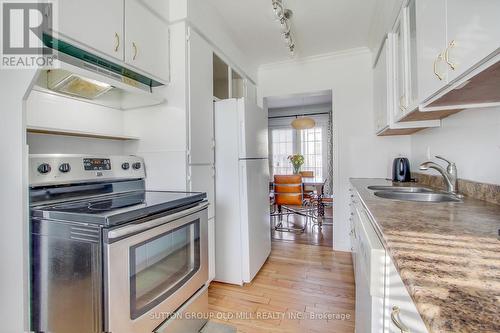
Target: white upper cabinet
{"type": "Point", "coordinates": [473, 33]}
{"type": "Point", "coordinates": [95, 24]}
{"type": "Point", "coordinates": [453, 36]}
{"type": "Point", "coordinates": [201, 108]}
{"type": "Point", "coordinates": [146, 40]}
{"type": "Point", "coordinates": [390, 86]}
{"type": "Point", "coordinates": [431, 39]}
{"type": "Point", "coordinates": [400, 68]}
{"type": "Point", "coordinates": [410, 20]}
{"type": "Point", "coordinates": [380, 88]}
{"type": "Point", "coordinates": [124, 30]}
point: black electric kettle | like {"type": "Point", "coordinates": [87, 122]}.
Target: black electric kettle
{"type": "Point", "coordinates": [401, 170]}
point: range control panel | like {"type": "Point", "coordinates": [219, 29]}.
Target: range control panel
{"type": "Point", "coordinates": [94, 164]}
{"type": "Point", "coordinates": [55, 169]}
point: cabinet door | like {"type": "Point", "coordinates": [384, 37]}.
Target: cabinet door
{"type": "Point", "coordinates": [399, 56]}
{"type": "Point", "coordinates": [473, 29]}
{"type": "Point", "coordinates": [201, 108]}
{"type": "Point", "coordinates": [410, 22]}
{"type": "Point", "coordinates": [399, 307]}
{"type": "Point", "coordinates": [380, 91]}
{"type": "Point", "coordinates": [95, 24]}
{"type": "Point", "coordinates": [431, 44]}
{"type": "Point", "coordinates": [202, 179]}
{"type": "Point", "coordinates": [211, 249]}
{"type": "Point", "coordinates": [146, 41]}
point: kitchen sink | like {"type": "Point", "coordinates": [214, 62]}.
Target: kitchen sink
{"type": "Point", "coordinates": [415, 196]}
{"type": "Point", "coordinates": [401, 189]}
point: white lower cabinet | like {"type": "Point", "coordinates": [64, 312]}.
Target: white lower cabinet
{"type": "Point", "coordinates": [211, 249]}
{"type": "Point", "coordinates": [382, 300]}
{"type": "Point", "coordinates": [400, 313]}
{"type": "Point", "coordinates": [202, 179]}
{"type": "Point", "coordinates": [369, 257]}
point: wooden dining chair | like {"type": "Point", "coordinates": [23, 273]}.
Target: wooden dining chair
{"type": "Point", "coordinates": [289, 199]}
{"type": "Point", "coordinates": [309, 191]}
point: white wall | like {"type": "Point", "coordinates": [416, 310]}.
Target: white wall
{"type": "Point", "coordinates": [357, 151]}
{"type": "Point", "coordinates": [205, 18]}
{"type": "Point", "coordinates": [470, 138]}
{"type": "Point", "coordinates": [13, 201]}
{"type": "Point", "coordinates": [57, 144]}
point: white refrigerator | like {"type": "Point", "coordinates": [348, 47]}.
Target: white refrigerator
{"type": "Point", "coordinates": [242, 231]}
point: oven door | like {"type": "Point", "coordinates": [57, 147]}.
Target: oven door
{"type": "Point", "coordinates": [153, 267]}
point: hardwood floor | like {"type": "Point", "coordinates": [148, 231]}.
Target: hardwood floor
{"type": "Point", "coordinates": [295, 287]}
{"type": "Point", "coordinates": [313, 235]}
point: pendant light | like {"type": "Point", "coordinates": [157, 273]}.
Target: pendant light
{"type": "Point", "coordinates": [303, 122]}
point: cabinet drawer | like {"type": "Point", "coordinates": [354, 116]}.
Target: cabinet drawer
{"type": "Point", "coordinates": [400, 309]}
{"type": "Point", "coordinates": [370, 253]}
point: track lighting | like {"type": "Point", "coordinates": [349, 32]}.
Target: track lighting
{"type": "Point", "coordinates": [284, 15]}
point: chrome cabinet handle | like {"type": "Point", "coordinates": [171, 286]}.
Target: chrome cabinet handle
{"type": "Point", "coordinates": [134, 46]}
{"type": "Point", "coordinates": [438, 58]}
{"type": "Point", "coordinates": [395, 320]}
{"type": "Point", "coordinates": [117, 38]}
{"type": "Point", "coordinates": [452, 65]}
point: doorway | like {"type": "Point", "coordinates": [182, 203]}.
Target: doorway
{"type": "Point", "coordinates": [301, 124]}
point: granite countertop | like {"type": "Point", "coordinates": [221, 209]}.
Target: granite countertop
{"type": "Point", "coordinates": [448, 256]}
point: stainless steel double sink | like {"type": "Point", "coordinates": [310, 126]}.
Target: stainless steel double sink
{"type": "Point", "coordinates": [421, 194]}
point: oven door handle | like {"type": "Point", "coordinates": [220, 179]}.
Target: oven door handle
{"type": "Point", "coordinates": [137, 228]}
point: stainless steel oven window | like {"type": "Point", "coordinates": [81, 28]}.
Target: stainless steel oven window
{"type": "Point", "coordinates": [161, 265]}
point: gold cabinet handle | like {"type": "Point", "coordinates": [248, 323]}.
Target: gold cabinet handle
{"type": "Point", "coordinates": [134, 46]}
{"type": "Point", "coordinates": [395, 320]}
{"type": "Point", "coordinates": [447, 55]}
{"type": "Point", "coordinates": [117, 38]}
{"type": "Point", "coordinates": [438, 58]}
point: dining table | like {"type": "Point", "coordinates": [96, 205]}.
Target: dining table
{"type": "Point", "coordinates": [316, 182]}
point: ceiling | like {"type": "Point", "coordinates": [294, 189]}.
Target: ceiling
{"type": "Point", "coordinates": [297, 100]}
{"type": "Point", "coordinates": [320, 26]}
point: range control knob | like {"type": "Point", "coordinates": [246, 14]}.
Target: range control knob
{"type": "Point", "coordinates": [65, 167]}
{"type": "Point", "coordinates": [125, 166]}
{"type": "Point", "coordinates": [136, 165]}
{"type": "Point", "coordinates": [44, 168]}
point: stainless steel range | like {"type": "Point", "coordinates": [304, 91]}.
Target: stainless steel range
{"type": "Point", "coordinates": [109, 256]}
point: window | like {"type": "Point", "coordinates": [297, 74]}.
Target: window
{"type": "Point", "coordinates": [311, 146]}
{"type": "Point", "coordinates": [282, 143]}
{"type": "Point", "coordinates": [311, 143]}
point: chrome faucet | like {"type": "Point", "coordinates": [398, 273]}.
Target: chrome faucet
{"type": "Point", "coordinates": [449, 174]}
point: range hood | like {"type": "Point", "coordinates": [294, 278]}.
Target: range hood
{"type": "Point", "coordinates": [89, 78]}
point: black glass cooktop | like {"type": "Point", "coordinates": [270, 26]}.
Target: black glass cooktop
{"type": "Point", "coordinates": [120, 208]}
